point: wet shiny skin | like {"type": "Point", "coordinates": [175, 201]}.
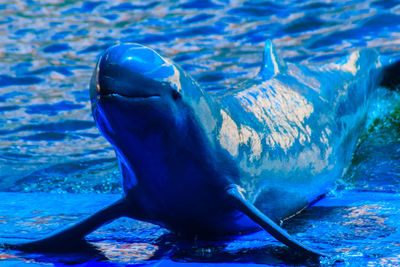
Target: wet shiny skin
{"type": "Point", "coordinates": [178, 147]}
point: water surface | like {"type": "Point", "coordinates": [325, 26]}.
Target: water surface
{"type": "Point", "coordinates": [53, 159]}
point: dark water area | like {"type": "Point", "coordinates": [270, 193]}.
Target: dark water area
{"type": "Point", "coordinates": [55, 167]}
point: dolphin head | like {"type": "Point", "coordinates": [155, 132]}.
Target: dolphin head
{"type": "Point", "coordinates": [135, 89]}
{"type": "Point", "coordinates": [147, 107]}
{"type": "Point", "coordinates": [135, 71]}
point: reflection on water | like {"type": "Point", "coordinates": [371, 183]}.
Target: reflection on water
{"type": "Point", "coordinates": [49, 143]}
{"type": "Point", "coordinates": [132, 252]}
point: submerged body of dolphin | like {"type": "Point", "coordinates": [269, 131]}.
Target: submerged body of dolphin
{"type": "Point", "coordinates": [231, 162]}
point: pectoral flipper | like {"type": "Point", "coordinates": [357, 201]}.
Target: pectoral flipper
{"type": "Point", "coordinates": [267, 224]}
{"type": "Point", "coordinates": [72, 238]}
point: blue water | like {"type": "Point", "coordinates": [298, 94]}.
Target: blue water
{"type": "Point", "coordinates": [53, 159]}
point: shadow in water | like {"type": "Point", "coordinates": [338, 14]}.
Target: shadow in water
{"type": "Point", "coordinates": [254, 250]}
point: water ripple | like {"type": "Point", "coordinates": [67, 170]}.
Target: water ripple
{"type": "Point", "coordinates": [49, 49]}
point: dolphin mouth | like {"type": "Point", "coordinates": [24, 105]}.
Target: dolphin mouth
{"type": "Point", "coordinates": [108, 86]}
{"type": "Point", "coordinates": [138, 97]}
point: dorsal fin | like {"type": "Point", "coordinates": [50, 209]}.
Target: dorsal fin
{"type": "Point", "coordinates": [272, 65]}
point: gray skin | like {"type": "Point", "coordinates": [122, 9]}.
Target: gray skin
{"type": "Point", "coordinates": [179, 147]}
{"type": "Point", "coordinates": [211, 165]}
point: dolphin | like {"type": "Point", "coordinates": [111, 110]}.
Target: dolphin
{"type": "Point", "coordinates": [229, 162]}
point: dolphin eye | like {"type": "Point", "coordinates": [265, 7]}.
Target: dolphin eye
{"type": "Point", "coordinates": [176, 95]}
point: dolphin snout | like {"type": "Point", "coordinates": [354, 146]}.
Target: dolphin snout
{"type": "Point", "coordinates": [129, 70]}
{"type": "Point", "coordinates": [132, 70]}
